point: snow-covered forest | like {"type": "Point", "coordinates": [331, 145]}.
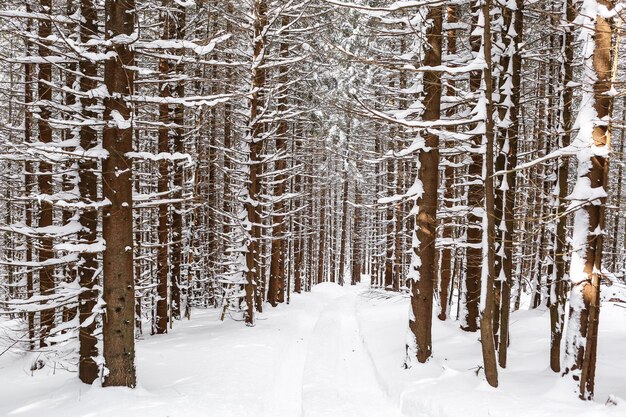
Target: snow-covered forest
{"type": "Point", "coordinates": [283, 208]}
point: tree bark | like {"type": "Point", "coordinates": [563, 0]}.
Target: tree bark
{"type": "Point", "coordinates": [445, 274]}
{"type": "Point", "coordinates": [559, 285]}
{"type": "Point", "coordinates": [163, 265]}
{"type": "Point", "coordinates": [29, 180]}
{"type": "Point", "coordinates": [475, 195]}
{"type": "Point", "coordinates": [276, 284]}
{"type": "Point", "coordinates": [251, 205]}
{"type": "Point", "coordinates": [88, 187]}
{"type": "Point", "coordinates": [515, 18]}
{"type": "Point", "coordinates": [117, 229]}
{"type": "Point", "coordinates": [423, 265]}
{"type": "Point", "coordinates": [589, 221]}
{"type": "Point", "coordinates": [44, 179]}
{"type": "Point", "coordinates": [487, 298]}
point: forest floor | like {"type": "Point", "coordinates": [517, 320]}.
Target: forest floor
{"type": "Point", "coordinates": [336, 352]}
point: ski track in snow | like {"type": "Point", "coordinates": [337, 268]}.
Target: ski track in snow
{"type": "Point", "coordinates": [303, 359]}
{"type": "Point", "coordinates": [339, 378]}
{"type": "Point", "coordinates": [334, 352]}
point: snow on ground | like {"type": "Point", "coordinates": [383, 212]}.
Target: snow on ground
{"type": "Point", "coordinates": [335, 352]}
{"type": "Point", "coordinates": [448, 384]}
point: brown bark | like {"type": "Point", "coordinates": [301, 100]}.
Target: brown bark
{"type": "Point", "coordinates": [615, 250]}
{"type": "Point", "coordinates": [276, 284]}
{"type": "Point", "coordinates": [357, 236]}
{"type": "Point", "coordinates": [322, 238]}
{"type": "Point", "coordinates": [117, 229]}
{"type": "Point", "coordinates": [88, 188]}
{"type": "Point", "coordinates": [475, 194]}
{"type": "Point", "coordinates": [178, 30]}
{"type": "Point", "coordinates": [390, 214]}
{"type": "Point", "coordinates": [228, 134]}
{"type": "Point", "coordinates": [486, 318]}
{"type": "Point", "coordinates": [253, 210]}
{"type": "Point", "coordinates": [29, 180]}
{"type": "Point", "coordinates": [163, 266]}
{"type": "Point", "coordinates": [398, 263]}
{"type": "Point", "coordinates": [44, 180]}
{"type": "Point", "coordinates": [344, 230]}
{"type": "Point", "coordinates": [310, 245]}
{"type": "Point", "coordinates": [509, 198]}
{"type": "Point", "coordinates": [585, 297]}
{"type": "Point", "coordinates": [559, 285]}
{"type": "Point", "coordinates": [69, 176]}
{"type": "Point", "coordinates": [426, 218]}
{"type": "Point", "coordinates": [298, 241]}
{"type": "Point", "coordinates": [445, 276]}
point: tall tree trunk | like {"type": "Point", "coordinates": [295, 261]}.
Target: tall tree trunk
{"type": "Point", "coordinates": [251, 203]}
{"type": "Point", "coordinates": [88, 188]}
{"type": "Point", "coordinates": [163, 266]}
{"type": "Point", "coordinates": [70, 176]}
{"type": "Point", "coordinates": [487, 294]}
{"type": "Point", "coordinates": [475, 194]}
{"type": "Point", "coordinates": [514, 17]}
{"type": "Point", "coordinates": [178, 31]}
{"type": "Point", "coordinates": [29, 180]}
{"type": "Point", "coordinates": [44, 179]}
{"type": "Point", "coordinates": [423, 263]}
{"type": "Point", "coordinates": [445, 274]}
{"type": "Point", "coordinates": [322, 238]}
{"type": "Point", "coordinates": [559, 285]}
{"type": "Point", "coordinates": [357, 236]}
{"type": "Point", "coordinates": [117, 229]}
{"type": "Point", "coordinates": [298, 239]}
{"type": "Point", "coordinates": [590, 191]}
{"type": "Point", "coordinates": [276, 283]}
{"type": "Point", "coordinates": [615, 249]}
{"type": "Point", "coordinates": [390, 211]}
{"type": "Point", "coordinates": [344, 229]}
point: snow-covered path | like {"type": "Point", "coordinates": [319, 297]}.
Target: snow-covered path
{"type": "Point", "coordinates": [305, 359]}
{"type": "Point", "coordinates": [334, 352]}
{"type": "Point", "coordinates": [339, 378]}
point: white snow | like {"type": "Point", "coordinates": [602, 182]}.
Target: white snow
{"type": "Point", "coordinates": [338, 352]}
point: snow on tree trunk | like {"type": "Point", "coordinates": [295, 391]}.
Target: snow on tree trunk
{"type": "Point", "coordinates": [589, 194]}
{"type": "Point", "coordinates": [423, 261]}
{"type": "Point", "coordinates": [88, 188]}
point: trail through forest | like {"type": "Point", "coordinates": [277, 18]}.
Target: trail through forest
{"type": "Point", "coordinates": [339, 377]}
{"type": "Point", "coordinates": [308, 360]}
{"type": "Point", "coordinates": [336, 352]}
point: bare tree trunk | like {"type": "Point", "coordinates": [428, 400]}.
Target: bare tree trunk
{"type": "Point", "coordinates": [276, 284]}
{"type": "Point", "coordinates": [445, 275]}
{"type": "Point", "coordinates": [357, 237]}
{"type": "Point", "coordinates": [163, 266]}
{"type": "Point", "coordinates": [117, 229]}
{"type": "Point", "coordinates": [390, 214]}
{"type": "Point", "coordinates": [253, 252]}
{"type": "Point", "coordinates": [344, 229]}
{"type": "Point", "coordinates": [475, 194]}
{"type": "Point", "coordinates": [615, 249]}
{"type": "Point", "coordinates": [322, 238]}
{"type": "Point", "coordinates": [586, 263]}
{"type": "Point", "coordinates": [44, 179]}
{"type": "Point", "coordinates": [29, 180]}
{"type": "Point", "coordinates": [558, 288]}
{"type": "Point", "coordinates": [515, 18]}
{"type": "Point", "coordinates": [423, 264]}
{"type": "Point", "coordinates": [298, 241]}
{"type": "Point", "coordinates": [88, 188]}
{"type": "Point", "coordinates": [487, 297]}
{"type": "Point", "coordinates": [178, 30]}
